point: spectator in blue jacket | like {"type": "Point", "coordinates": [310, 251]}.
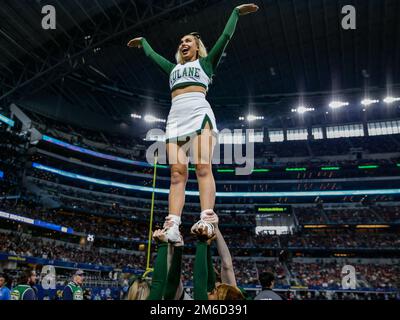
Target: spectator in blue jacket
{"type": "Point", "coordinates": [5, 293]}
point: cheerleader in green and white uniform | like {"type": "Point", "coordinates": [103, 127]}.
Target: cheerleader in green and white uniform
{"type": "Point", "coordinates": [191, 120]}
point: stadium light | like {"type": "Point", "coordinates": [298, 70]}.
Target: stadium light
{"type": "Point", "coordinates": [251, 117]}
{"type": "Point", "coordinates": [136, 116]}
{"type": "Point", "coordinates": [338, 104]}
{"type": "Point", "coordinates": [367, 102]}
{"type": "Point", "coordinates": [241, 118]}
{"type": "Point", "coordinates": [150, 118]}
{"type": "Point", "coordinates": [302, 109]}
{"type": "Point", "coordinates": [389, 100]}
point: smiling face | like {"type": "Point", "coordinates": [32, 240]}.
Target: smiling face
{"type": "Point", "coordinates": [188, 48]}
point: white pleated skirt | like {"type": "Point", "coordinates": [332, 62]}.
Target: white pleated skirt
{"type": "Point", "coordinates": [189, 114]}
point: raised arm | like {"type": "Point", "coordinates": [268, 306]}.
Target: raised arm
{"type": "Point", "coordinates": [203, 272]}
{"type": "Point", "coordinates": [200, 271]}
{"type": "Point", "coordinates": [227, 271]}
{"type": "Point", "coordinates": [174, 274]}
{"type": "Point", "coordinates": [163, 63]}
{"type": "Point", "coordinates": [215, 53]}
{"type": "Point", "coordinates": [160, 267]}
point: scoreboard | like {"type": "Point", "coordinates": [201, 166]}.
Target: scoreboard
{"type": "Point", "coordinates": [273, 209]}
{"type": "Point", "coordinates": [274, 219]}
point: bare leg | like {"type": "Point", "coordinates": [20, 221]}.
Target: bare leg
{"type": "Point", "coordinates": [203, 146]}
{"type": "Point", "coordinates": [176, 199]}
{"type": "Point", "coordinates": [179, 175]}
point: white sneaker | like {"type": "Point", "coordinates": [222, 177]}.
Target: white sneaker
{"type": "Point", "coordinates": [203, 224]}
{"type": "Point", "coordinates": [173, 234]}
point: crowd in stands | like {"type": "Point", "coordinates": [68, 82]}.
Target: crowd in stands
{"type": "Point", "coordinates": [91, 213]}
{"type": "Point", "coordinates": [266, 240]}
{"type": "Point", "coordinates": [132, 225]}
{"type": "Point", "coordinates": [282, 149]}
{"type": "Point", "coordinates": [381, 276]}
{"type": "Point", "coordinates": [120, 229]}
{"type": "Point", "coordinates": [329, 147]}
{"type": "Point", "coordinates": [343, 239]}
{"type": "Point", "coordinates": [101, 227]}
{"type": "Point", "coordinates": [286, 149]}
{"type": "Point", "coordinates": [246, 272]}
{"type": "Point", "coordinates": [335, 295]}
{"type": "Point", "coordinates": [388, 213]}
{"type": "Point", "coordinates": [12, 149]}
{"type": "Point", "coordinates": [356, 215]}
{"type": "Point", "coordinates": [147, 182]}
{"type": "Point", "coordinates": [316, 274]}
{"type": "Point", "coordinates": [310, 215]}
{"type": "Point", "coordinates": [328, 275]}
{"type": "Point", "coordinates": [372, 214]}
{"type": "Point", "coordinates": [277, 171]}
{"type": "Point", "coordinates": [282, 278]}
{"type": "Point", "coordinates": [22, 244]}
{"type": "Point", "coordinates": [324, 275]}
{"type": "Point", "coordinates": [87, 138]}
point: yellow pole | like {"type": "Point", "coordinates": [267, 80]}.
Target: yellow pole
{"type": "Point", "coordinates": [148, 269]}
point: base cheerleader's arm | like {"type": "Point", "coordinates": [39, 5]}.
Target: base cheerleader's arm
{"type": "Point", "coordinates": [200, 271]}
{"type": "Point", "coordinates": [211, 279]}
{"type": "Point", "coordinates": [160, 268]}
{"type": "Point", "coordinates": [204, 275]}
{"type": "Point", "coordinates": [227, 271]}
{"type": "Point", "coordinates": [174, 274]}
{"type": "Point", "coordinates": [163, 63]}
{"type": "Point", "coordinates": [216, 52]}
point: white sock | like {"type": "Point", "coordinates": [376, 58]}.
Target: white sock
{"type": "Point", "coordinates": [176, 219]}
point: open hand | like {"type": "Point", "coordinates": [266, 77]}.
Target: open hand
{"type": "Point", "coordinates": [247, 8]}
{"type": "Point", "coordinates": [135, 43]}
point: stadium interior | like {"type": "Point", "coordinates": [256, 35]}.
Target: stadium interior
{"type": "Point", "coordinates": [320, 104]}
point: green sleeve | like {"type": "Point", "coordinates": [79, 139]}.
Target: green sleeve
{"type": "Point", "coordinates": [200, 272]}
{"type": "Point", "coordinates": [174, 274]}
{"type": "Point", "coordinates": [159, 273]}
{"type": "Point", "coordinates": [211, 273]}
{"type": "Point", "coordinates": [163, 63]}
{"type": "Point", "coordinates": [210, 63]}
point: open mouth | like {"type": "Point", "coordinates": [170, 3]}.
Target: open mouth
{"type": "Point", "coordinates": [185, 51]}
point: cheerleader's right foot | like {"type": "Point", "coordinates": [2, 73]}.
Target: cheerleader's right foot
{"type": "Point", "coordinates": [173, 234]}
{"type": "Point", "coordinates": [203, 229]}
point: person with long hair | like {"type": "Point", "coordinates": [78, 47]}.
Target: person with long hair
{"type": "Point", "coordinates": [139, 290]}
{"type": "Point", "coordinates": [191, 121]}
